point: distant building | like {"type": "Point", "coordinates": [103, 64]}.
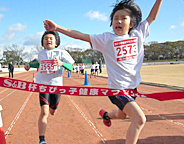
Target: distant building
{"type": "Point", "coordinates": [73, 49]}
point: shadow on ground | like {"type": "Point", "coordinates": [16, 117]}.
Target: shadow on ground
{"type": "Point", "coordinates": [151, 140]}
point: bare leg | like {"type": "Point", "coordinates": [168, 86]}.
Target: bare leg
{"type": "Point", "coordinates": [52, 112]}
{"type": "Point", "coordinates": [117, 114]}
{"type": "Point", "coordinates": [138, 120]}
{"type": "Point", "coordinates": [42, 122]}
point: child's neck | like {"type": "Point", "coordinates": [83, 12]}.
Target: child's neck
{"type": "Point", "coordinates": [50, 49]}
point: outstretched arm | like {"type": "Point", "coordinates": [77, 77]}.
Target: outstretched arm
{"type": "Point", "coordinates": [154, 11]}
{"type": "Point", "coordinates": [51, 26]}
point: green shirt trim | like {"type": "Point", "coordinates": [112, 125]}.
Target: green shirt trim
{"type": "Point", "coordinates": [65, 65]}
{"type": "Point", "coordinates": [34, 65]}
{"type": "Point", "coordinates": [68, 66]}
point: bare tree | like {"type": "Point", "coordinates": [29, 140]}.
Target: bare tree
{"type": "Point", "coordinates": [34, 52]}
{"type": "Point", "coordinates": [14, 53]}
{"type": "Point", "coordinates": [38, 48]}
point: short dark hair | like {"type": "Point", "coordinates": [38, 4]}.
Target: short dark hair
{"type": "Point", "coordinates": [135, 11]}
{"type": "Point", "coordinates": [55, 33]}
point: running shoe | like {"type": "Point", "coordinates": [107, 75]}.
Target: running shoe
{"type": "Point", "coordinates": [105, 121]}
{"type": "Point", "coordinates": [42, 142]}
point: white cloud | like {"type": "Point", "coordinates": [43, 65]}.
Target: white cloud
{"type": "Point", "coordinates": [172, 27]}
{"type": "Point", "coordinates": [75, 44]}
{"type": "Point", "coordinates": [97, 15]}
{"type": "Point", "coordinates": [33, 39]}
{"type": "Point", "coordinates": [4, 9]}
{"type": "Point", "coordinates": [12, 31]}
{"type": "Point", "coordinates": [17, 28]}
{"type": "Point", "coordinates": [1, 16]}
{"type": "Point", "coordinates": [182, 22]}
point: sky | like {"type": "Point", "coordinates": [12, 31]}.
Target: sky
{"type": "Point", "coordinates": [21, 21]}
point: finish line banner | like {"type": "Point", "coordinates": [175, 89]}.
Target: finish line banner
{"type": "Point", "coordinates": [83, 91]}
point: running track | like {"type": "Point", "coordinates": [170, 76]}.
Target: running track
{"type": "Point", "coordinates": [77, 120]}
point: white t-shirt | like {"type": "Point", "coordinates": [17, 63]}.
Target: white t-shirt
{"type": "Point", "coordinates": [123, 56]}
{"type": "Point", "coordinates": [51, 74]}
{"type": "Point", "coordinates": [82, 67]}
{"type": "Point", "coordinates": [77, 68]}
{"type": "Point", "coordinates": [96, 66]}
{"type": "Point", "coordinates": [92, 66]}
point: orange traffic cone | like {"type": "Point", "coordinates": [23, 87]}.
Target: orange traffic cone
{"type": "Point", "coordinates": [33, 77]}
{"type": "Point", "coordinates": [2, 137]}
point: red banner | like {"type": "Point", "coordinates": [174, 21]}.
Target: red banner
{"type": "Point", "coordinates": [83, 91]}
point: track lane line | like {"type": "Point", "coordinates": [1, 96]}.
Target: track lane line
{"type": "Point", "coordinates": [156, 114]}
{"type": "Point", "coordinates": [88, 121]}
{"type": "Point", "coordinates": [11, 92]}
{"type": "Point", "coordinates": [163, 117]}
{"type": "Point", "coordinates": [17, 116]}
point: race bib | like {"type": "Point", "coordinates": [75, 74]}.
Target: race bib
{"type": "Point", "coordinates": [125, 49]}
{"type": "Point", "coordinates": [47, 67]}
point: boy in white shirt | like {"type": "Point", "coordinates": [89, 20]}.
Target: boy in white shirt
{"type": "Point", "coordinates": [82, 67]}
{"type": "Point", "coordinates": [123, 52]}
{"type": "Point", "coordinates": [92, 66]}
{"type": "Point", "coordinates": [96, 68]}
{"type": "Point", "coordinates": [77, 69]}
{"type": "Point", "coordinates": [51, 62]}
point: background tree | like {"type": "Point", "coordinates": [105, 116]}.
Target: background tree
{"type": "Point", "coordinates": [14, 53]}
{"type": "Point", "coordinates": [32, 56]}
{"type": "Point", "coordinates": [89, 53]}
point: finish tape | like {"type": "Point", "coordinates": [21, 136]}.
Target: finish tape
{"type": "Point", "coordinates": [84, 91]}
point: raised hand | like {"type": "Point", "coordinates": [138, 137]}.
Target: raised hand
{"type": "Point", "coordinates": [57, 62]}
{"type": "Point", "coordinates": [50, 25]}
{"type": "Point", "coordinates": [27, 67]}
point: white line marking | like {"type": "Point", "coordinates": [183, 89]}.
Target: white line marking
{"type": "Point", "coordinates": [88, 121]}
{"type": "Point", "coordinates": [180, 100]}
{"type": "Point", "coordinates": [7, 95]}
{"type": "Point", "coordinates": [163, 117]}
{"type": "Point", "coordinates": [17, 116]}
{"type": "Point", "coordinates": [4, 90]}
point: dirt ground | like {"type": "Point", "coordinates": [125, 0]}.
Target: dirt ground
{"type": "Point", "coordinates": [77, 120]}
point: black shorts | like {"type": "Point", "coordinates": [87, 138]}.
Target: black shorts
{"type": "Point", "coordinates": [82, 71]}
{"type": "Point", "coordinates": [49, 99]}
{"type": "Point", "coordinates": [121, 101]}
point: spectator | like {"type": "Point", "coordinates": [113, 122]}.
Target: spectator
{"type": "Point", "coordinates": [10, 69]}
{"type": "Point", "coordinates": [100, 65]}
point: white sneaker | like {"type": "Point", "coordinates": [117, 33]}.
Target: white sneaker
{"type": "Point", "coordinates": [42, 142]}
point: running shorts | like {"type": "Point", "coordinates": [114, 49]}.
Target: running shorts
{"type": "Point", "coordinates": [49, 99]}
{"type": "Point", "coordinates": [92, 70]}
{"type": "Point", "coordinates": [121, 101]}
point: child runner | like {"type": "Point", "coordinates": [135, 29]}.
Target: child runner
{"type": "Point", "coordinates": [92, 66]}
{"type": "Point", "coordinates": [82, 67]}
{"type": "Point", "coordinates": [77, 69]}
{"type": "Point", "coordinates": [51, 61]}
{"type": "Point", "coordinates": [96, 68]}
{"type": "Point", "coordinates": [123, 52]}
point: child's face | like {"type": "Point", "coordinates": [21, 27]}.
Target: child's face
{"type": "Point", "coordinates": [121, 22]}
{"type": "Point", "coordinates": [49, 41]}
